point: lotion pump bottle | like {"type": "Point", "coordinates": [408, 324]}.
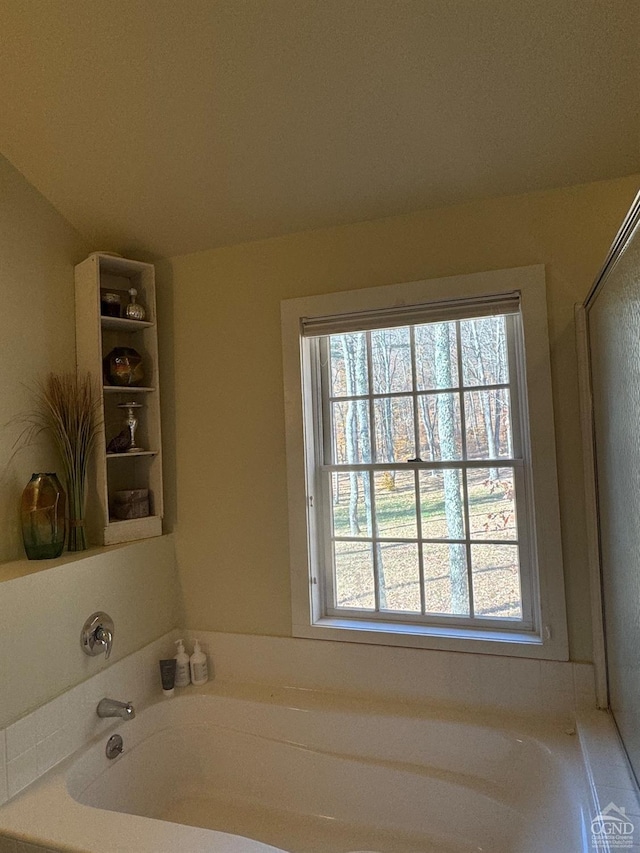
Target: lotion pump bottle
{"type": "Point", "coordinates": [183, 678]}
{"type": "Point", "coordinates": [198, 664]}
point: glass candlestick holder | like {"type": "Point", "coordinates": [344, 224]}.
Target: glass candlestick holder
{"type": "Point", "coordinates": [131, 423]}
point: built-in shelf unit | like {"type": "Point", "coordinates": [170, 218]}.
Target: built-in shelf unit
{"type": "Point", "coordinates": [96, 337]}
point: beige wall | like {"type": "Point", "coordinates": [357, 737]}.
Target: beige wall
{"type": "Point", "coordinates": [41, 615]}
{"type": "Point", "coordinates": [43, 604]}
{"type": "Point", "coordinates": [38, 249]}
{"type": "Point", "coordinates": [231, 531]}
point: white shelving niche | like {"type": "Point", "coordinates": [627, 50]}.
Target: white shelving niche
{"type": "Point", "coordinates": [96, 336]}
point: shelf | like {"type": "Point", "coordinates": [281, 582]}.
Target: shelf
{"type": "Point", "coordinates": [127, 389]}
{"type": "Point", "coordinates": [110, 262]}
{"type": "Point", "coordinates": [129, 529]}
{"type": "Point", "coordinates": [96, 335]}
{"type": "Point", "coordinates": [130, 521]}
{"type": "Point", "coordinates": [122, 324]}
{"type": "Point", "coordinates": [128, 455]}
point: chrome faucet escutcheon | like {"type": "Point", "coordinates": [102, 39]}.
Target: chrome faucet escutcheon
{"type": "Point", "coordinates": [113, 708]}
{"type": "Point", "coordinates": [96, 636]}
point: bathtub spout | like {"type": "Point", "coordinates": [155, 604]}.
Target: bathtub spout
{"type": "Point", "coordinates": [113, 708]}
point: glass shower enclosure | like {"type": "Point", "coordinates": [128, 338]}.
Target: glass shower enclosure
{"type": "Point", "coordinates": [609, 334]}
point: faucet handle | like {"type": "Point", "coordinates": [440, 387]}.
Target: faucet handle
{"type": "Point", "coordinates": [105, 636]}
{"type": "Point", "coordinates": [97, 635]}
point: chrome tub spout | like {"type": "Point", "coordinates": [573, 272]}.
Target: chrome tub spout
{"type": "Point", "coordinates": [113, 708]}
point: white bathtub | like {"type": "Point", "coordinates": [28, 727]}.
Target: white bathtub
{"type": "Point", "coordinates": [251, 771]}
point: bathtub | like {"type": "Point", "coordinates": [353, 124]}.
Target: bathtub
{"type": "Point", "coordinates": [253, 770]}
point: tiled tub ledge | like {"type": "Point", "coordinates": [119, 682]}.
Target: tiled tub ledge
{"type": "Point", "coordinates": [487, 682]}
{"type": "Point", "coordinates": [608, 769]}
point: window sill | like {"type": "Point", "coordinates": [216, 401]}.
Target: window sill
{"type": "Point", "coordinates": [474, 640]}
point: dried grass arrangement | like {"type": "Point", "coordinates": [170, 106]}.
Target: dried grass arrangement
{"type": "Point", "coordinates": [66, 407]}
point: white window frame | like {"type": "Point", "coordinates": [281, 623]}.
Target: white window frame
{"type": "Point", "coordinates": [547, 635]}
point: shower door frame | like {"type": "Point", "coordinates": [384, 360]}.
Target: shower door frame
{"type": "Point", "coordinates": [598, 626]}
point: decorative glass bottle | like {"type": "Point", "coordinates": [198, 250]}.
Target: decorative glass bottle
{"type": "Point", "coordinates": [42, 513]}
{"type": "Point", "coordinates": [134, 311]}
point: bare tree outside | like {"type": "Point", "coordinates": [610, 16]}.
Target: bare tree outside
{"type": "Point", "coordinates": [452, 498]}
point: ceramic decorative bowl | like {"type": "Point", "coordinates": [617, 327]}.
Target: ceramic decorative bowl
{"type": "Point", "coordinates": [123, 366]}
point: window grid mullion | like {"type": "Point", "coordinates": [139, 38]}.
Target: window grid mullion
{"type": "Point", "coordinates": [374, 543]}
{"type": "Point", "coordinates": [465, 483]}
{"type": "Point", "coordinates": [467, 527]}
{"type": "Point", "coordinates": [498, 462]}
{"type": "Point", "coordinates": [420, 392]}
{"type": "Point", "coordinates": [463, 425]}
{"type": "Point", "coordinates": [416, 485]}
{"type": "Point", "coordinates": [372, 413]}
{"type": "Point", "coordinates": [398, 540]}
{"type": "Point", "coordinates": [373, 449]}
{"type": "Point", "coordinates": [418, 455]}
{"type": "Point", "coordinates": [417, 450]}
{"type": "Point", "coordinates": [527, 592]}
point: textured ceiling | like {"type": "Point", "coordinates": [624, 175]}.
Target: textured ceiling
{"type": "Point", "coordinates": [170, 127]}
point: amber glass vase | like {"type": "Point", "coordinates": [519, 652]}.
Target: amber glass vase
{"type": "Point", "coordinates": [42, 512]}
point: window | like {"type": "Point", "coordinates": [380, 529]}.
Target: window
{"type": "Point", "coordinates": [422, 501]}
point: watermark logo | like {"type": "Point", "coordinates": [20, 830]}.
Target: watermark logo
{"type": "Point", "coordinates": [611, 829]}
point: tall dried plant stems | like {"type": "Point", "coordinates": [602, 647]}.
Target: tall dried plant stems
{"type": "Point", "coordinates": [67, 408]}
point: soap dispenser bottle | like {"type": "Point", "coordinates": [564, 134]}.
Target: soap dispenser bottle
{"type": "Point", "coordinates": [198, 664]}
{"type": "Point", "coordinates": [183, 678]}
